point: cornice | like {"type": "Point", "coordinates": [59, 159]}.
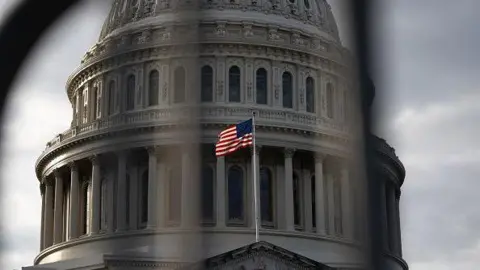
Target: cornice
{"type": "Point", "coordinates": [176, 231]}
{"type": "Point", "coordinates": [387, 153]}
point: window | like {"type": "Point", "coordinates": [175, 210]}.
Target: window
{"type": "Point", "coordinates": [330, 100]}
{"type": "Point", "coordinates": [337, 201]}
{"type": "Point", "coordinates": [287, 88]}
{"type": "Point", "coordinates": [103, 204]}
{"type": "Point", "coordinates": [346, 106]}
{"type": "Point", "coordinates": [236, 204]}
{"type": "Point", "coordinates": [307, 4]}
{"type": "Point", "coordinates": [98, 102]}
{"type": "Point", "coordinates": [234, 84]}
{"type": "Point", "coordinates": [85, 106]}
{"type": "Point", "coordinates": [208, 192]}
{"type": "Point", "coordinates": [207, 84]}
{"type": "Point", "coordinates": [310, 94]}
{"type": "Point", "coordinates": [297, 203]}
{"type": "Point", "coordinates": [153, 79]}
{"type": "Point", "coordinates": [130, 92]}
{"type": "Point", "coordinates": [95, 104]}
{"type": "Point", "coordinates": [179, 80]}
{"type": "Point", "coordinates": [111, 97]}
{"type": "Point", "coordinates": [266, 196]}
{"type": "Point", "coordinates": [144, 199]}
{"type": "Point", "coordinates": [174, 196]}
{"type": "Point", "coordinates": [261, 84]}
{"type": "Point", "coordinates": [314, 209]}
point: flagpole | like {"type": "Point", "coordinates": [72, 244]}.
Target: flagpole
{"type": "Point", "coordinates": [255, 191]}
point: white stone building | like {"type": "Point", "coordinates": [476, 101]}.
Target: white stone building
{"type": "Point", "coordinates": [135, 184]}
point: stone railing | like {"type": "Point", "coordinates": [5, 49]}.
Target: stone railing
{"type": "Point", "coordinates": [205, 114]}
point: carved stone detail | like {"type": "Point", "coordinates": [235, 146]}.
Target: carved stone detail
{"type": "Point", "coordinates": [273, 35]}
{"type": "Point", "coordinates": [289, 152]}
{"type": "Point", "coordinates": [221, 30]}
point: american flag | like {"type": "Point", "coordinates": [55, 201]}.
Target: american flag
{"type": "Point", "coordinates": [234, 138]}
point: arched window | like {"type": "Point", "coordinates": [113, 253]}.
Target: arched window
{"type": "Point", "coordinates": [103, 203]}
{"type": "Point", "coordinates": [337, 202]}
{"type": "Point", "coordinates": [144, 199]}
{"type": "Point", "coordinates": [179, 80]}
{"type": "Point", "coordinates": [297, 200]}
{"type": "Point", "coordinates": [153, 79]}
{"type": "Point", "coordinates": [207, 84]}
{"type": "Point", "coordinates": [236, 214]}
{"type": "Point", "coordinates": [266, 196]}
{"type": "Point", "coordinates": [130, 93]}
{"type": "Point", "coordinates": [330, 100]}
{"type": "Point", "coordinates": [310, 94]}
{"type": "Point", "coordinates": [234, 84]}
{"type": "Point", "coordinates": [262, 86]}
{"type": "Point", "coordinates": [208, 192]}
{"type": "Point", "coordinates": [307, 4]}
{"type": "Point", "coordinates": [314, 209]}
{"type": "Point", "coordinates": [111, 97]}
{"type": "Point", "coordinates": [85, 105]}
{"type": "Point", "coordinates": [174, 195]}
{"type": "Point", "coordinates": [287, 89]}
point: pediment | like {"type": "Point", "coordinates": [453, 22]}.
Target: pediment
{"type": "Point", "coordinates": [259, 256]}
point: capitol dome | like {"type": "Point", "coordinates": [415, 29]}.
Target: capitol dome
{"type": "Point", "coordinates": [135, 183]}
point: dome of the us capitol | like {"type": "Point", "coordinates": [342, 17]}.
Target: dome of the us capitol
{"type": "Point", "coordinates": [314, 16]}
{"type": "Point", "coordinates": [133, 184]}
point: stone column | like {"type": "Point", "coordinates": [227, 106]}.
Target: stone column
{"type": "Point", "coordinates": [161, 194]}
{"type": "Point", "coordinates": [399, 228]}
{"type": "Point", "coordinates": [307, 187]}
{"type": "Point", "coordinates": [152, 185]}
{"type": "Point", "coordinates": [289, 215]}
{"type": "Point", "coordinates": [331, 204]}
{"type": "Point", "coordinates": [48, 214]}
{"type": "Point", "coordinates": [280, 196]}
{"type": "Point", "coordinates": [346, 202]}
{"type": "Point", "coordinates": [121, 191]}
{"type": "Point", "coordinates": [58, 214]}
{"type": "Point", "coordinates": [392, 219]}
{"type": "Point", "coordinates": [74, 201]}
{"type": "Point", "coordinates": [319, 195]}
{"type": "Point", "coordinates": [221, 191]}
{"type": "Point", "coordinates": [257, 167]}
{"type": "Point", "coordinates": [96, 199]}
{"type": "Point", "coordinates": [186, 190]}
{"type": "Point", "coordinates": [110, 207]}
{"type": "Point", "coordinates": [133, 198]}
{"type": "Point", "coordinates": [42, 223]}
{"type": "Point", "coordinates": [384, 215]}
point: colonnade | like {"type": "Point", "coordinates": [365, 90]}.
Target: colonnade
{"type": "Point", "coordinates": [325, 210]}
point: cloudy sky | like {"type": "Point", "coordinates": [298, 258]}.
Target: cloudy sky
{"type": "Point", "coordinates": [426, 75]}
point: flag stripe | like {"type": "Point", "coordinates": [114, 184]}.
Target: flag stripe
{"type": "Point", "coordinates": [234, 137]}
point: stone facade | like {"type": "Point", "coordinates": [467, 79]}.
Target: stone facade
{"type": "Point", "coordinates": [136, 176]}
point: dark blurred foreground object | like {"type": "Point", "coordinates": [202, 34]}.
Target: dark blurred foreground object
{"type": "Point", "coordinates": [19, 33]}
{"type": "Point", "coordinates": [384, 234]}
